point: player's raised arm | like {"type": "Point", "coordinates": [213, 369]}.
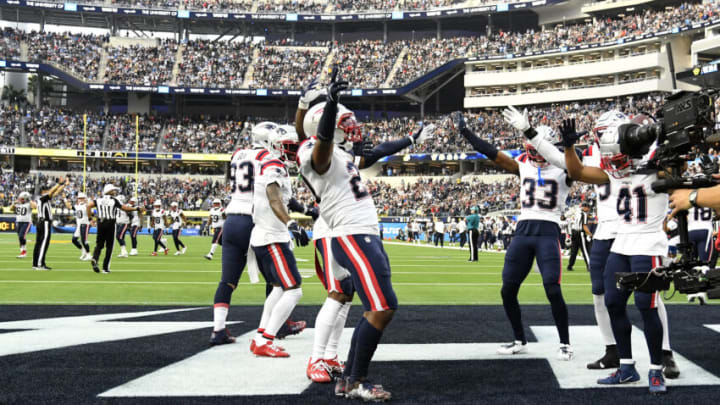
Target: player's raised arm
{"type": "Point", "coordinates": [370, 155]}
{"type": "Point", "coordinates": [322, 151]}
{"type": "Point", "coordinates": [545, 148]}
{"type": "Point", "coordinates": [310, 94]}
{"type": "Point", "coordinates": [574, 167]}
{"type": "Point", "coordinates": [487, 149]}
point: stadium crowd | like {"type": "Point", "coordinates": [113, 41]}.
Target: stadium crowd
{"type": "Point", "coordinates": [141, 65]}
{"type": "Point", "coordinates": [121, 133]}
{"type": "Point", "coordinates": [366, 63]}
{"type": "Point", "coordinates": [63, 129]}
{"type": "Point", "coordinates": [202, 135]}
{"type": "Point", "coordinates": [9, 43]}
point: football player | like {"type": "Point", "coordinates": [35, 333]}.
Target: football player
{"type": "Point", "coordinates": [544, 189]}
{"type": "Point", "coordinates": [23, 219]}
{"type": "Point", "coordinates": [217, 219]}
{"type": "Point", "coordinates": [328, 168]}
{"type": "Point", "coordinates": [270, 241]}
{"type": "Point", "coordinates": [178, 222]}
{"type": "Point", "coordinates": [158, 218]}
{"type": "Point", "coordinates": [82, 226]}
{"type": "Point", "coordinates": [122, 224]}
{"type": "Point", "coordinates": [639, 243]}
{"type": "Point", "coordinates": [135, 223]}
{"type": "Point", "coordinates": [245, 164]}
{"type": "Point", "coordinates": [700, 233]}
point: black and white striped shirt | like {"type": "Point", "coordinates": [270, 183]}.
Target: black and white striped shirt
{"type": "Point", "coordinates": [106, 208]}
{"type": "Point", "coordinates": [44, 211]}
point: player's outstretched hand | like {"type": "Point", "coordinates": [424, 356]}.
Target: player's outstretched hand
{"type": "Point", "coordinates": [457, 121]}
{"type": "Point", "coordinates": [335, 87]}
{"type": "Point", "coordinates": [312, 212]}
{"type": "Point", "coordinates": [423, 134]}
{"type": "Point", "coordinates": [518, 120]}
{"type": "Point", "coordinates": [310, 93]}
{"type": "Point", "coordinates": [568, 133]}
{"type": "Point", "coordinates": [300, 237]}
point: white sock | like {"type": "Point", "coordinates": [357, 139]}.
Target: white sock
{"type": "Point", "coordinates": [332, 345]}
{"type": "Point", "coordinates": [662, 313]}
{"type": "Point", "coordinates": [270, 303]}
{"type": "Point", "coordinates": [603, 319]}
{"type": "Point", "coordinates": [282, 310]}
{"type": "Point", "coordinates": [212, 248]}
{"type": "Point", "coordinates": [627, 361]}
{"type": "Point", "coordinates": [324, 323]}
{"type": "Point", "coordinates": [219, 317]}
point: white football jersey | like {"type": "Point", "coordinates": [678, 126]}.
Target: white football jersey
{"type": "Point", "coordinates": [345, 202]}
{"type": "Point", "coordinates": [177, 220]}
{"type": "Point", "coordinates": [320, 229]}
{"type": "Point", "coordinates": [700, 219]}
{"type": "Point", "coordinates": [641, 213]}
{"type": "Point", "coordinates": [268, 227]}
{"type": "Point", "coordinates": [606, 200]}
{"type": "Point", "coordinates": [244, 168]}
{"type": "Point", "coordinates": [134, 218]}
{"type": "Point", "coordinates": [23, 212]}
{"type": "Point", "coordinates": [543, 191]}
{"type": "Point", "coordinates": [122, 217]}
{"type": "Point", "coordinates": [157, 217]}
{"type": "Point", "coordinates": [216, 217]}
{"type": "Point", "coordinates": [81, 217]}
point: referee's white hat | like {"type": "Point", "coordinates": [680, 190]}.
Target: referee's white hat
{"type": "Point", "coordinates": [109, 188]}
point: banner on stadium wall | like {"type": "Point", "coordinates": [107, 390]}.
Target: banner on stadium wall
{"type": "Point", "coordinates": [72, 7]}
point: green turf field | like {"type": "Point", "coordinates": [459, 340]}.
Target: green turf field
{"type": "Point", "coordinates": [421, 275]}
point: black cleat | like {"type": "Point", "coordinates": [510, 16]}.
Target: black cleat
{"type": "Point", "coordinates": [670, 369]}
{"type": "Point", "coordinates": [609, 360]}
{"type": "Point", "coordinates": [570, 269]}
{"type": "Point", "coordinates": [221, 337]}
{"type": "Point", "coordinates": [94, 265]}
{"type": "Point", "coordinates": [290, 328]}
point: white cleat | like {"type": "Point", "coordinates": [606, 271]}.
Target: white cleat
{"type": "Point", "coordinates": [182, 252]}
{"type": "Point", "coordinates": [178, 253]}
{"type": "Point", "coordinates": [123, 255]}
{"type": "Point", "coordinates": [701, 298]}
{"type": "Point", "coordinates": [209, 256]}
{"type": "Point", "coordinates": [22, 256]}
{"type": "Point", "coordinates": [516, 347]}
{"type": "Point", "coordinates": [133, 252]}
{"type": "Point", "coordinates": [565, 352]}
{"type": "Point", "coordinates": [87, 257]}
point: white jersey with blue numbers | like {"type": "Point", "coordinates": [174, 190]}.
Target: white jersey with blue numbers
{"type": "Point", "coordinates": [268, 227]}
{"type": "Point", "coordinates": [641, 213]}
{"type": "Point", "coordinates": [344, 201]}
{"type": "Point", "coordinates": [542, 191]}
{"type": "Point", "coordinates": [23, 212]}
{"type": "Point", "coordinates": [700, 219]}
{"type": "Point", "coordinates": [216, 217]}
{"type": "Point", "coordinates": [81, 217]}
{"type": "Point", "coordinates": [244, 167]}
{"type": "Point", "coordinates": [157, 218]}
{"type": "Point", "coordinates": [134, 218]}
{"type": "Point", "coordinates": [606, 200]}
{"type": "Point", "coordinates": [122, 217]}
{"type": "Point", "coordinates": [177, 220]}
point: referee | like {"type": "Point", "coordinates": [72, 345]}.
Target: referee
{"type": "Point", "coordinates": [107, 211]}
{"type": "Point", "coordinates": [578, 240]}
{"type": "Point", "coordinates": [44, 224]}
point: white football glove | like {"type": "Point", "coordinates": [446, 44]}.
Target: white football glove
{"type": "Point", "coordinates": [518, 120]}
{"type": "Point", "coordinates": [310, 93]}
{"type": "Point", "coordinates": [425, 133]}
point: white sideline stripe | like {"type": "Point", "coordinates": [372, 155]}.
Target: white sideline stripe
{"type": "Point", "coordinates": [303, 272]}
{"type": "Point", "coordinates": [250, 284]}
{"type": "Point", "coordinates": [249, 303]}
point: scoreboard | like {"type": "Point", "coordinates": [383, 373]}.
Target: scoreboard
{"type": "Point", "coordinates": [7, 224]}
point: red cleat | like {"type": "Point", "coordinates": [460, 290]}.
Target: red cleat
{"type": "Point", "coordinates": [270, 350]}
{"type": "Point", "coordinates": [166, 252]}
{"type": "Point", "coordinates": [253, 345]}
{"type": "Point", "coordinates": [318, 372]}
{"type": "Point", "coordinates": [335, 366]}
{"type": "Point", "coordinates": [153, 254]}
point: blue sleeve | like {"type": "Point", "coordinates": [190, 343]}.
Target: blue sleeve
{"type": "Point", "coordinates": [295, 206]}
{"type": "Point", "coordinates": [386, 149]}
{"type": "Point", "coordinates": [479, 145]}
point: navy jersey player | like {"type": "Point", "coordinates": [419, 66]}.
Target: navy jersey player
{"type": "Point", "coordinates": [544, 189]}
{"type": "Point", "coordinates": [639, 245]}
{"type": "Point", "coordinates": [23, 219]}
{"type": "Point", "coordinates": [245, 165]}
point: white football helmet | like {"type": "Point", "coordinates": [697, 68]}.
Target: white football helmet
{"type": "Point", "coordinates": [347, 129]}
{"type": "Point", "coordinates": [157, 203]}
{"type": "Point", "coordinates": [216, 203]}
{"type": "Point", "coordinates": [546, 133]}
{"type": "Point", "coordinates": [24, 197]}
{"type": "Point", "coordinates": [284, 144]}
{"type": "Point", "coordinates": [261, 132]}
{"type": "Point", "coordinates": [607, 137]}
